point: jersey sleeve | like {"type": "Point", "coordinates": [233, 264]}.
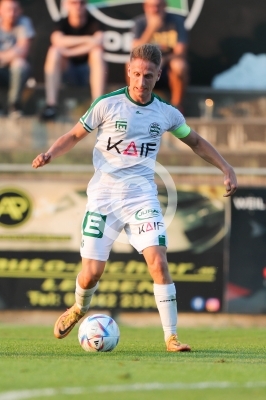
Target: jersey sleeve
{"type": "Point", "coordinates": [182, 131]}
{"type": "Point", "coordinates": [93, 117]}
{"type": "Point", "coordinates": [179, 128]}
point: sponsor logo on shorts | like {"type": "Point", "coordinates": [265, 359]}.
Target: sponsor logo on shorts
{"type": "Point", "coordinates": [150, 226]}
{"type": "Point", "coordinates": [154, 129]}
{"type": "Point", "coordinates": [162, 240]}
{"type": "Point", "coordinates": [93, 224]}
{"type": "Point", "coordinates": [146, 214]}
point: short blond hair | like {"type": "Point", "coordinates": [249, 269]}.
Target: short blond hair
{"type": "Point", "coordinates": [149, 52]}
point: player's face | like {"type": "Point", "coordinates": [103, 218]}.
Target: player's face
{"type": "Point", "coordinates": [143, 75]}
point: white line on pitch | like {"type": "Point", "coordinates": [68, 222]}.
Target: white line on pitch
{"type": "Point", "coordinates": [49, 392]}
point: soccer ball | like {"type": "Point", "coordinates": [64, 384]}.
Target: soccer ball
{"type": "Point", "coordinates": [98, 332]}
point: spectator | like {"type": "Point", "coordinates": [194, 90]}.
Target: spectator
{"type": "Point", "coordinates": [16, 32]}
{"type": "Point", "coordinates": [76, 51]}
{"type": "Point", "coordinates": [168, 32]}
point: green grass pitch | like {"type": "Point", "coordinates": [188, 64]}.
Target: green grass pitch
{"type": "Point", "coordinates": [225, 363]}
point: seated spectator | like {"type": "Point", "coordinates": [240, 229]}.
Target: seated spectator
{"type": "Point", "coordinates": [76, 52]}
{"type": "Point", "coordinates": [168, 32]}
{"type": "Point", "coordinates": [16, 32]}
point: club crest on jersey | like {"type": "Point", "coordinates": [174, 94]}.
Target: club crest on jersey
{"type": "Point", "coordinates": [154, 129]}
{"type": "Point", "coordinates": [121, 125]}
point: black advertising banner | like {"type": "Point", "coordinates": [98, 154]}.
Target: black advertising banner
{"type": "Point", "coordinates": [41, 220]}
{"type": "Point", "coordinates": [246, 288]}
{"type": "Point", "coordinates": [46, 280]}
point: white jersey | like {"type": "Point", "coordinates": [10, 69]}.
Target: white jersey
{"type": "Point", "coordinates": [128, 140]}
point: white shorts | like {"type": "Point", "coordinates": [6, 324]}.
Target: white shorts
{"type": "Point", "coordinates": [140, 217]}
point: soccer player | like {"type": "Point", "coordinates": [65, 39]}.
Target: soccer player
{"type": "Point", "coordinates": [130, 124]}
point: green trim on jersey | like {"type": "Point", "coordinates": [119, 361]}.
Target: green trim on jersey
{"type": "Point", "coordinates": [85, 126]}
{"type": "Point", "coordinates": [104, 96]}
{"type": "Point", "coordinates": [135, 102]}
{"type": "Point", "coordinates": [162, 100]}
{"type": "Point", "coordinates": [111, 94]}
{"type": "Point", "coordinates": [182, 131]}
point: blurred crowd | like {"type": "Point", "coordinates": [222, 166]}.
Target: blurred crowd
{"type": "Point", "coordinates": [76, 57]}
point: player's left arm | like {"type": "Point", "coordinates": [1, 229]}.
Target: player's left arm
{"type": "Point", "coordinates": [206, 151]}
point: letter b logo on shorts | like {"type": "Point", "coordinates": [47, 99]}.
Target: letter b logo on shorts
{"type": "Point", "coordinates": [93, 224]}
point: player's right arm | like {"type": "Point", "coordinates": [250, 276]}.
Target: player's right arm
{"type": "Point", "coordinates": [61, 146]}
{"type": "Point", "coordinates": [207, 152]}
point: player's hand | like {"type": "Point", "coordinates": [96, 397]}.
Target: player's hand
{"type": "Point", "coordinates": [41, 160]}
{"type": "Point", "coordinates": [230, 183]}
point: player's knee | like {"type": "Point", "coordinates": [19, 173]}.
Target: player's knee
{"type": "Point", "coordinates": [91, 272]}
{"type": "Point", "coordinates": [158, 267]}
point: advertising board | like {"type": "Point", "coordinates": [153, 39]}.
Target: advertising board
{"type": "Point", "coordinates": [246, 287]}
{"type": "Point", "coordinates": [39, 250]}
